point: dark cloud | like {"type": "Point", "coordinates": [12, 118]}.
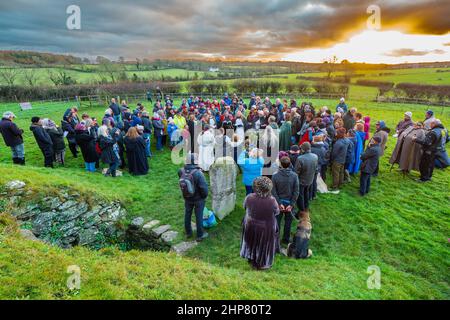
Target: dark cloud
{"type": "Point", "coordinates": [211, 28]}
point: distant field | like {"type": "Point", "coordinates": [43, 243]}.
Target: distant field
{"type": "Point", "coordinates": [86, 77]}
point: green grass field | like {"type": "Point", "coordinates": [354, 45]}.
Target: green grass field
{"type": "Point", "coordinates": [401, 226]}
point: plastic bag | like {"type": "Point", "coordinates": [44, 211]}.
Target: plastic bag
{"type": "Point", "coordinates": [209, 219]}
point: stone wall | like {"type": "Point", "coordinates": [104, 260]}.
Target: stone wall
{"type": "Point", "coordinates": [66, 220]}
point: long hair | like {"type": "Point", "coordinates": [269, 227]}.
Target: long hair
{"type": "Point", "coordinates": [132, 133]}
{"type": "Point", "coordinates": [103, 131]}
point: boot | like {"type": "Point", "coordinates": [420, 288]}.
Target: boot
{"type": "Point", "coordinates": [22, 161]}
{"type": "Point", "coordinates": [16, 160]}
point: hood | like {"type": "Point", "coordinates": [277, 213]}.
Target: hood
{"type": "Point", "coordinates": [366, 119]}
{"type": "Point", "coordinates": [285, 171]}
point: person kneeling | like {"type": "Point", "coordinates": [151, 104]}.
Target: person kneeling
{"type": "Point", "coordinates": [299, 247]}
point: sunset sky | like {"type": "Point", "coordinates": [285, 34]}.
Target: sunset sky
{"type": "Point", "coordinates": [310, 31]}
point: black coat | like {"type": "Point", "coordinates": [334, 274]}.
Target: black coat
{"type": "Point", "coordinates": [11, 133]}
{"type": "Point", "coordinates": [137, 159]}
{"type": "Point", "coordinates": [370, 159]}
{"type": "Point", "coordinates": [107, 146]}
{"type": "Point", "coordinates": [86, 142]}
{"type": "Point", "coordinates": [42, 138]}
{"type": "Point", "coordinates": [147, 124]}
{"type": "Point", "coordinates": [285, 186]}
{"type": "Point", "coordinates": [57, 136]}
{"type": "Point", "coordinates": [67, 127]}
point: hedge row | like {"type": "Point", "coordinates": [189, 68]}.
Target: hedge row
{"type": "Point", "coordinates": [28, 93]}
{"type": "Point", "coordinates": [419, 91]}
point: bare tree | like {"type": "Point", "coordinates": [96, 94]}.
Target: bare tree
{"type": "Point", "coordinates": [9, 75]}
{"type": "Point", "coordinates": [330, 65]}
{"type": "Point", "coordinates": [30, 77]}
{"type": "Point", "coordinates": [61, 77]}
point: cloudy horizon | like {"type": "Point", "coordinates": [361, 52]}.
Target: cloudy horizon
{"type": "Point", "coordinates": [411, 31]}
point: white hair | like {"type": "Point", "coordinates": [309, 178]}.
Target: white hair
{"type": "Point", "coordinates": [103, 131]}
{"type": "Point", "coordinates": [8, 115]}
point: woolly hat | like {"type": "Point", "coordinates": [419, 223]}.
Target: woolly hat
{"type": "Point", "coordinates": [377, 139]}
{"type": "Point", "coordinates": [382, 124]}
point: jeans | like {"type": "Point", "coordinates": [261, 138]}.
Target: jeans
{"type": "Point", "coordinates": [18, 151]}
{"type": "Point", "coordinates": [364, 183]}
{"type": "Point", "coordinates": [287, 222]}
{"type": "Point", "coordinates": [313, 188]}
{"type": "Point", "coordinates": [60, 156]}
{"type": "Point", "coordinates": [198, 207]}
{"type": "Point", "coordinates": [337, 171]}
{"type": "Point", "coordinates": [159, 145]}
{"type": "Point", "coordinates": [147, 137]}
{"type": "Point", "coordinates": [112, 168]}
{"type": "Point", "coordinates": [117, 119]}
{"type": "Point", "coordinates": [248, 190]}
{"type": "Point", "coordinates": [303, 198]}
{"type": "Point", "coordinates": [90, 166]}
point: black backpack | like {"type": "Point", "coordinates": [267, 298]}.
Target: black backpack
{"type": "Point", "coordinates": [187, 183]}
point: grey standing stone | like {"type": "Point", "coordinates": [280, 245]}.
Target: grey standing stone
{"type": "Point", "coordinates": [223, 186]}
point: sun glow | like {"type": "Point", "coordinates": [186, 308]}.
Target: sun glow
{"type": "Point", "coordinates": [381, 47]}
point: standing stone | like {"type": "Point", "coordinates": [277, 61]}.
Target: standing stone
{"type": "Point", "coordinates": [223, 186]}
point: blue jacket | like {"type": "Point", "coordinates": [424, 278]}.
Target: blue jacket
{"type": "Point", "coordinates": [358, 150]}
{"type": "Point", "coordinates": [251, 168]}
{"type": "Point", "coordinates": [171, 127]}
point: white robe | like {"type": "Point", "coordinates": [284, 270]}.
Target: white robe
{"type": "Point", "coordinates": [206, 142]}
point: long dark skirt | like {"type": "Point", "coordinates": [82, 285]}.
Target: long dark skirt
{"type": "Point", "coordinates": [260, 232]}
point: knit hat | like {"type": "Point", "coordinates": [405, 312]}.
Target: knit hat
{"type": "Point", "coordinates": [282, 154]}
{"type": "Point", "coordinates": [382, 124]}
{"type": "Point", "coordinates": [377, 139]}
{"type": "Point", "coordinates": [430, 112]}
{"type": "Point", "coordinates": [295, 148]}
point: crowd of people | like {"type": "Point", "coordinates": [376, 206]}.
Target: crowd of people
{"type": "Point", "coordinates": [283, 149]}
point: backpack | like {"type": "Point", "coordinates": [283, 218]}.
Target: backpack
{"type": "Point", "coordinates": [187, 184]}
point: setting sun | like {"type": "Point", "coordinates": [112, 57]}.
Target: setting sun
{"type": "Point", "coordinates": [381, 47]}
